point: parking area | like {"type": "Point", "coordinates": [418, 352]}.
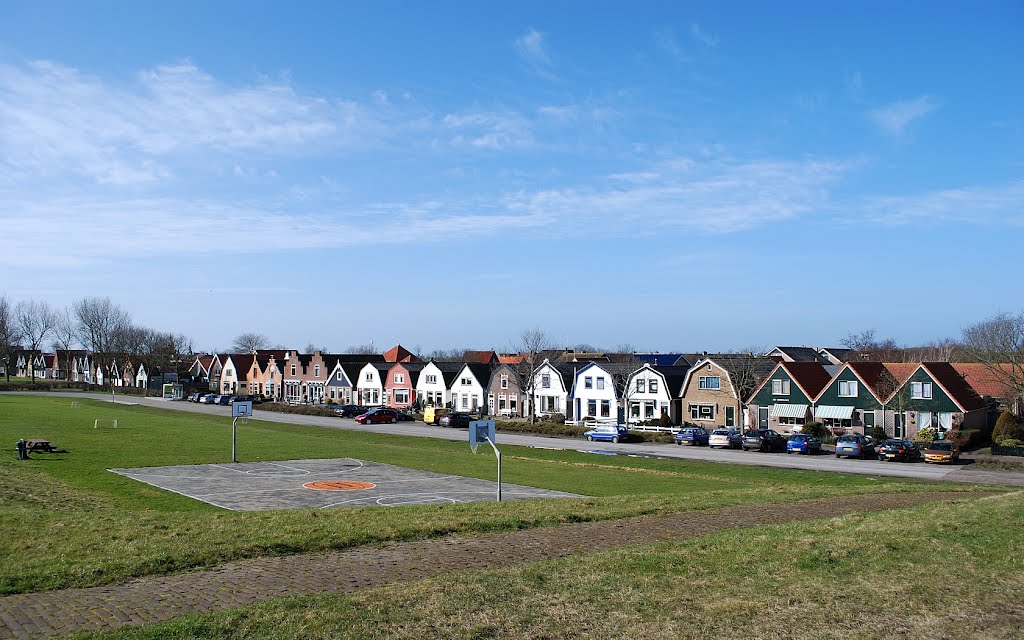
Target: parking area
{"type": "Point", "coordinates": [324, 484]}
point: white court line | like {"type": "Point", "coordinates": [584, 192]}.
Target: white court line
{"type": "Point", "coordinates": [434, 500]}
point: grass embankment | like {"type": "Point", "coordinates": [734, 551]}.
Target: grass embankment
{"type": "Point", "coordinates": [933, 571]}
{"type": "Point", "coordinates": [66, 521]}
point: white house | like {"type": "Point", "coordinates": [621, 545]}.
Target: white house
{"type": "Point", "coordinates": [467, 387]}
{"type": "Point", "coordinates": [370, 385]}
{"type": "Point", "coordinates": [650, 392]}
{"type": "Point", "coordinates": [141, 377]}
{"type": "Point", "coordinates": [594, 397]}
{"type": "Point", "coordinates": [434, 381]}
{"type": "Point", "coordinates": [550, 390]}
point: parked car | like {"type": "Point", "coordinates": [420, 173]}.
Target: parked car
{"type": "Point", "coordinates": [764, 440]}
{"type": "Point", "coordinates": [208, 398]}
{"type": "Point", "coordinates": [942, 451]}
{"type": "Point", "coordinates": [727, 438]}
{"type": "Point", "coordinates": [803, 443]}
{"type": "Point", "coordinates": [194, 397]}
{"type": "Point", "coordinates": [350, 410]}
{"type": "Point", "coordinates": [431, 415]}
{"type": "Point", "coordinates": [235, 399]}
{"type": "Point", "coordinates": [854, 445]}
{"type": "Point", "coordinates": [607, 433]}
{"type": "Point", "coordinates": [696, 436]}
{"type": "Point", "coordinates": [456, 419]}
{"type": "Point", "coordinates": [405, 417]}
{"type": "Point", "coordinates": [896, 449]}
{"type": "Point", "coordinates": [379, 415]}
{"type": "Point", "coordinates": [225, 399]}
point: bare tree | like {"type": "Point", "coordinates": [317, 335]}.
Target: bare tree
{"type": "Point", "coordinates": [250, 343]}
{"type": "Point", "coordinates": [944, 350]}
{"type": "Point", "coordinates": [621, 366]}
{"type": "Point", "coordinates": [100, 322]}
{"type": "Point", "coordinates": [10, 336]}
{"type": "Point", "coordinates": [65, 338]}
{"type": "Point", "coordinates": [35, 321]}
{"type": "Point", "coordinates": [313, 348]}
{"type": "Point", "coordinates": [871, 348]}
{"type": "Point", "coordinates": [532, 343]}
{"type": "Point", "coordinates": [363, 349]}
{"type": "Point", "coordinates": [998, 343]}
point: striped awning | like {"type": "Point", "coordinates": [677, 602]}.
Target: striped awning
{"type": "Point", "coordinates": [788, 410]}
{"type": "Point", "coordinates": [836, 413]}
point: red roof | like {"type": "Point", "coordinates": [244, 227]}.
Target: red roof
{"type": "Point", "coordinates": [480, 357]}
{"type": "Point", "coordinates": [398, 353]}
{"type": "Point", "coordinates": [811, 376]}
{"type": "Point", "coordinates": [985, 380]}
{"type": "Point", "coordinates": [955, 385]}
{"type": "Point", "coordinates": [511, 359]}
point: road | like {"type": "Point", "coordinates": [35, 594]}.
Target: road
{"type": "Point", "coordinates": [920, 471]}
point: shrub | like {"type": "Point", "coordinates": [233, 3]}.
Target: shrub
{"type": "Point", "coordinates": [878, 433]}
{"type": "Point", "coordinates": [558, 418]}
{"type": "Point", "coordinates": [665, 420]}
{"type": "Point", "coordinates": [1011, 442]}
{"type": "Point", "coordinates": [306, 410]}
{"type": "Point", "coordinates": [926, 435]}
{"type": "Point", "coordinates": [965, 438]}
{"type": "Point", "coordinates": [1007, 428]}
{"type": "Point", "coordinates": [815, 429]}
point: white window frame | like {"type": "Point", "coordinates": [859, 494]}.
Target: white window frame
{"type": "Point", "coordinates": [588, 382]}
{"type": "Point", "coordinates": [606, 408]}
{"type": "Point", "coordinates": [399, 378]}
{"type": "Point", "coordinates": [921, 390]}
{"type": "Point", "coordinates": [710, 382]}
{"type": "Point", "coordinates": [545, 381]}
{"type": "Point", "coordinates": [851, 388]}
{"type": "Point", "coordinates": [431, 379]}
{"type": "Point", "coordinates": [782, 386]}
{"type": "Point", "coordinates": [316, 371]}
{"type": "Point", "coordinates": [599, 382]}
{"type": "Point", "coordinates": [504, 381]}
{"type": "Point", "coordinates": [701, 411]}
{"type": "Point", "coordinates": [641, 385]}
{"type": "Point", "coordinates": [592, 407]}
{"type": "Point", "coordinates": [652, 385]}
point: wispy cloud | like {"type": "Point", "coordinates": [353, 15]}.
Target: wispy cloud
{"type": "Point", "coordinates": [894, 117]}
{"type": "Point", "coordinates": [531, 48]}
{"type": "Point", "coordinates": [999, 206]}
{"type": "Point", "coordinates": [488, 130]}
{"type": "Point", "coordinates": [59, 120]}
{"type": "Point", "coordinates": [667, 42]}
{"type": "Point", "coordinates": [698, 34]}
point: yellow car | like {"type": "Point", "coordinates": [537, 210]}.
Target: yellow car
{"type": "Point", "coordinates": [432, 414]}
{"type": "Point", "coordinates": [942, 451]}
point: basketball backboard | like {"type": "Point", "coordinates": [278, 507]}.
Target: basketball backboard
{"type": "Point", "coordinates": [242, 409]}
{"type": "Point", "coordinates": [480, 431]}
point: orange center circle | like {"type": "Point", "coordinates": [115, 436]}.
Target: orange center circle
{"type": "Point", "coordinates": [339, 485]}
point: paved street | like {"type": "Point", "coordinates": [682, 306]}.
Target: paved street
{"type": "Point", "coordinates": [921, 471]}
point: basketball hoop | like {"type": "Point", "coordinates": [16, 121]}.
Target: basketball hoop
{"type": "Point", "coordinates": [481, 431]}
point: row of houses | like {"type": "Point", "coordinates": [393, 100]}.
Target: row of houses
{"type": "Point", "coordinates": [782, 389]}
{"type": "Point", "coordinates": [81, 366]}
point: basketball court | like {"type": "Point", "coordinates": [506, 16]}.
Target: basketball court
{"type": "Point", "coordinates": [324, 484]}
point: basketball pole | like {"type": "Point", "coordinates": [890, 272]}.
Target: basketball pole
{"type": "Point", "coordinates": [498, 455]}
{"type": "Point", "coordinates": [234, 439]}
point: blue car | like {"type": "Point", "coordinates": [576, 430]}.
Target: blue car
{"type": "Point", "coordinates": [607, 433]}
{"type": "Point", "coordinates": [693, 435]}
{"type": "Point", "coordinates": [803, 443]}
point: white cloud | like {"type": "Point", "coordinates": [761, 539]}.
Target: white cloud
{"type": "Point", "coordinates": [666, 41]}
{"type": "Point", "coordinates": [488, 130]}
{"type": "Point", "coordinates": [1000, 206]}
{"type": "Point", "coordinates": [701, 36]}
{"type": "Point", "coordinates": [530, 46]}
{"type": "Point", "coordinates": [894, 117]}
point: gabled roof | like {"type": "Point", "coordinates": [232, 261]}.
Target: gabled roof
{"type": "Point", "coordinates": [674, 377]}
{"type": "Point", "coordinates": [511, 358]}
{"type": "Point", "coordinates": [954, 385]}
{"type": "Point", "coordinates": [840, 355]}
{"type": "Point", "coordinates": [800, 354]}
{"type": "Point", "coordinates": [480, 371]}
{"type": "Point", "coordinates": [398, 353]}
{"type": "Point", "coordinates": [243, 363]}
{"type": "Point", "coordinates": [480, 357]}
{"type": "Point", "coordinates": [985, 381]}
{"type": "Point", "coordinates": [663, 359]}
{"type": "Point", "coordinates": [760, 367]}
{"type": "Point", "coordinates": [812, 377]}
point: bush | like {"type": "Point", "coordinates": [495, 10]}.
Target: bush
{"type": "Point", "coordinates": [1011, 442]}
{"type": "Point", "coordinates": [306, 410]}
{"type": "Point", "coordinates": [1007, 428]}
{"type": "Point", "coordinates": [665, 421]}
{"type": "Point", "coordinates": [878, 433]}
{"type": "Point", "coordinates": [965, 438]}
{"type": "Point", "coordinates": [815, 429]}
{"type": "Point", "coordinates": [558, 418]}
{"type": "Point", "coordinates": [926, 435]}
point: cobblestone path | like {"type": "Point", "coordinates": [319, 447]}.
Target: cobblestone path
{"type": "Point", "coordinates": [160, 598]}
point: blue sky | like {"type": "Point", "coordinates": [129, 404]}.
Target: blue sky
{"type": "Point", "coordinates": [673, 176]}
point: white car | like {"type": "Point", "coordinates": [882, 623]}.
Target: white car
{"type": "Point", "coordinates": [726, 438]}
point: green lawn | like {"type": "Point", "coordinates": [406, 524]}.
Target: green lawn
{"type": "Point", "coordinates": [66, 521]}
{"type": "Point", "coordinates": [933, 571]}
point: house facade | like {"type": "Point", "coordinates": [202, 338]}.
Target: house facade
{"type": "Point", "coordinates": [467, 387]}
{"type": "Point", "coordinates": [400, 385]}
{"type": "Point", "coordinates": [369, 390]}
{"type": "Point", "coordinates": [434, 382]}
{"type": "Point", "coordinates": [784, 400]}
{"type": "Point", "coordinates": [936, 396]}
{"type": "Point", "coordinates": [504, 397]}
{"type": "Point", "coordinates": [708, 396]}
{"type": "Point", "coordinates": [551, 389]}
{"type": "Point", "coordinates": [593, 395]}
{"type": "Point", "coordinates": [652, 391]}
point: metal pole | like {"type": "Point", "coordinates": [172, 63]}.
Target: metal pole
{"type": "Point", "coordinates": [498, 455]}
{"type": "Point", "coordinates": [234, 440]}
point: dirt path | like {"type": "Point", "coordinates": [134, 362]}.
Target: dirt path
{"type": "Point", "coordinates": [161, 598]}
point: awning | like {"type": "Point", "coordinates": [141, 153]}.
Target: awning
{"type": "Point", "coordinates": [836, 413]}
{"type": "Point", "coordinates": [788, 410]}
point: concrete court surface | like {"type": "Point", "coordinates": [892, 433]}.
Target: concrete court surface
{"type": "Point", "coordinates": [323, 484]}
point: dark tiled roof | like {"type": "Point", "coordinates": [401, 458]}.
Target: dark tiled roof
{"type": "Point", "coordinates": [480, 357]}
{"type": "Point", "coordinates": [811, 376]}
{"type": "Point", "coordinates": [674, 377]}
{"type": "Point", "coordinates": [661, 359]}
{"type": "Point", "coordinates": [802, 354]}
{"type": "Point", "coordinates": [955, 385]}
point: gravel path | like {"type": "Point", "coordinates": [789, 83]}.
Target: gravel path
{"type": "Point", "coordinates": [161, 598]}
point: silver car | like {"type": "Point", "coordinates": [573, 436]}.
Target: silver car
{"type": "Point", "coordinates": [728, 438]}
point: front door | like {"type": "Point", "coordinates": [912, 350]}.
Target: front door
{"type": "Point", "coordinates": [869, 421]}
{"type": "Point", "coordinates": [730, 416]}
{"type": "Point", "coordinates": [762, 417]}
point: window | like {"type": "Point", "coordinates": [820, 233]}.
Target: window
{"type": "Point", "coordinates": [399, 378]}
{"type": "Point", "coordinates": [513, 404]}
{"type": "Point", "coordinates": [337, 377]}
{"type": "Point", "coordinates": [588, 383]}
{"type": "Point", "coordinates": [710, 382]}
{"type": "Point", "coordinates": [591, 407]}
{"type": "Point", "coordinates": [401, 396]}
{"type": "Point", "coordinates": [921, 390]}
{"type": "Point", "coordinates": [369, 376]}
{"type": "Point", "coordinates": [634, 409]}
{"type": "Point", "coordinates": [504, 381]}
{"type": "Point", "coordinates": [786, 421]}
{"type": "Point", "coordinates": [316, 371]}
{"type": "Point", "coordinates": [545, 381]}
{"type": "Point", "coordinates": [640, 385]}
{"type": "Point", "coordinates": [466, 382]}
{"type": "Point", "coordinates": [227, 372]}
{"type": "Point", "coordinates": [293, 369]}
{"type": "Point", "coordinates": [465, 401]}
{"type": "Point", "coordinates": [652, 385]}
{"type": "Point", "coordinates": [702, 412]}
{"type": "Point", "coordinates": [780, 387]}
{"type": "Point", "coordinates": [431, 379]}
{"type": "Point", "coordinates": [600, 382]}
{"type": "Point", "coordinates": [501, 402]}
{"type": "Point", "coordinates": [847, 389]}
{"type": "Point", "coordinates": [606, 408]}
{"type": "Point", "coordinates": [649, 408]}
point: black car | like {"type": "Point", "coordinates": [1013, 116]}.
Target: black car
{"type": "Point", "coordinates": [902, 450]}
{"type": "Point", "coordinates": [350, 410]}
{"type": "Point", "coordinates": [764, 440]}
{"type": "Point", "coordinates": [456, 419]}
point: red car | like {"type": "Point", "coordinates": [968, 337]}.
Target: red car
{"type": "Point", "coordinates": [375, 416]}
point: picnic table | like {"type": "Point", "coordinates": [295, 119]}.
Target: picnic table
{"type": "Point", "coordinates": [35, 445]}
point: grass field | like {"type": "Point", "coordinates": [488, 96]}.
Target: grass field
{"type": "Point", "coordinates": [66, 521]}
